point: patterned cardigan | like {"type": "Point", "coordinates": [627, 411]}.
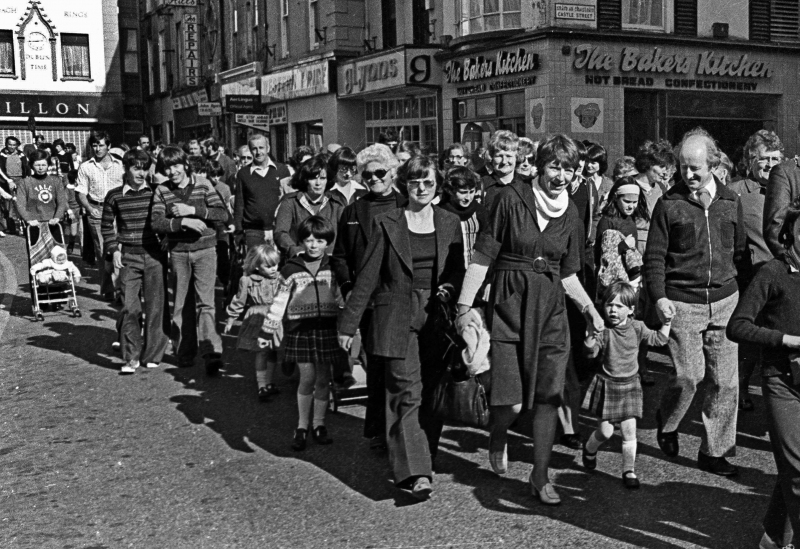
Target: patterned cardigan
{"type": "Point", "coordinates": [307, 301]}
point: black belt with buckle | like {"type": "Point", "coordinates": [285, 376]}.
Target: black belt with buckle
{"type": "Point", "coordinates": [515, 262]}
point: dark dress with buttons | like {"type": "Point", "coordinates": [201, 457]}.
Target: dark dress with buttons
{"type": "Point", "coordinates": [526, 313]}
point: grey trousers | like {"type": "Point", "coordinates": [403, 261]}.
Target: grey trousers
{"type": "Point", "coordinates": [699, 350]}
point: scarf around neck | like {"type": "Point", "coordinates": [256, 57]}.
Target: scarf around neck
{"type": "Point", "coordinates": [547, 207]}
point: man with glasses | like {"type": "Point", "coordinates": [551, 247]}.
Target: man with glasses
{"type": "Point", "coordinates": [258, 193]}
{"type": "Point", "coordinates": [764, 151]}
{"type": "Point", "coordinates": [13, 169]}
{"type": "Point", "coordinates": [377, 165]}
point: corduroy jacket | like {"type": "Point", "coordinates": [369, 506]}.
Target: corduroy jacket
{"type": "Point", "coordinates": [387, 273]}
{"type": "Point", "coordinates": [783, 188]}
{"type": "Point", "coordinates": [692, 255]}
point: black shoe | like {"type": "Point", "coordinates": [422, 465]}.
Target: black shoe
{"type": "Point", "coordinates": [320, 435]}
{"type": "Point", "coordinates": [299, 441]}
{"type": "Point", "coordinates": [716, 465]}
{"type": "Point", "coordinates": [213, 366]}
{"type": "Point", "coordinates": [630, 481]}
{"type": "Point", "coordinates": [422, 488]}
{"type": "Point", "coordinates": [571, 441]}
{"type": "Point", "coordinates": [746, 405]}
{"type": "Point", "coordinates": [589, 460]}
{"type": "Point", "coordinates": [263, 394]}
{"type": "Point", "coordinates": [668, 442]}
{"type": "Point", "coordinates": [287, 368]}
{"type": "Point", "coordinates": [647, 379]}
{"type": "Point", "coordinates": [378, 444]}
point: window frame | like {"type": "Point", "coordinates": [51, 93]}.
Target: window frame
{"type": "Point", "coordinates": [465, 17]}
{"type": "Point", "coordinates": [162, 61]}
{"type": "Point", "coordinates": [71, 78]}
{"type": "Point", "coordinates": [127, 32]}
{"type": "Point", "coordinates": [626, 11]}
{"type": "Point", "coordinates": [13, 73]}
{"type": "Point", "coordinates": [314, 18]}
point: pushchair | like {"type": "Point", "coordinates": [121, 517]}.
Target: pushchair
{"type": "Point", "coordinates": [50, 290]}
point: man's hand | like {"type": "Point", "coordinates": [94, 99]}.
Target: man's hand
{"type": "Point", "coordinates": [12, 185]}
{"type": "Point", "coordinates": [53, 221]}
{"type": "Point", "coordinates": [94, 212]}
{"type": "Point", "coordinates": [793, 342]}
{"type": "Point", "coordinates": [117, 259]}
{"type": "Point", "coordinates": [231, 229]}
{"type": "Point", "coordinates": [345, 342]}
{"type": "Point", "coordinates": [193, 224]}
{"type": "Point", "coordinates": [665, 309]}
{"type": "Point", "coordinates": [228, 326]}
{"type": "Point", "coordinates": [181, 210]}
{"type": "Point", "coordinates": [33, 223]}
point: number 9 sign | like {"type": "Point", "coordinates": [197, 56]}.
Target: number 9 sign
{"type": "Point", "coordinates": [419, 69]}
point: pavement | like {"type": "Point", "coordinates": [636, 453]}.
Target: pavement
{"type": "Point", "coordinates": [169, 458]}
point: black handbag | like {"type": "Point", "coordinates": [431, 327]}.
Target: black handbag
{"type": "Point", "coordinates": [459, 397]}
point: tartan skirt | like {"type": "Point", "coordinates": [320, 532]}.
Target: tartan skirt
{"type": "Point", "coordinates": [614, 399]}
{"type": "Point", "coordinates": [316, 346]}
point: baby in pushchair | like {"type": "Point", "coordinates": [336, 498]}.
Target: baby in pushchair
{"type": "Point", "coordinates": [56, 268]}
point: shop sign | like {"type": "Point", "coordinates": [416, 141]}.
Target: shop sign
{"type": "Point", "coordinates": [209, 109]}
{"type": "Point", "coordinates": [707, 63]}
{"type": "Point", "coordinates": [259, 121]}
{"type": "Point", "coordinates": [55, 106]}
{"type": "Point", "coordinates": [191, 59]}
{"type": "Point", "coordinates": [189, 100]}
{"type": "Point", "coordinates": [180, 3]}
{"type": "Point", "coordinates": [276, 113]}
{"type": "Point", "coordinates": [503, 63]}
{"type": "Point", "coordinates": [244, 104]}
{"type": "Point", "coordinates": [245, 86]}
{"type": "Point", "coordinates": [575, 12]}
{"type": "Point", "coordinates": [302, 81]}
{"type": "Point", "coordinates": [413, 67]}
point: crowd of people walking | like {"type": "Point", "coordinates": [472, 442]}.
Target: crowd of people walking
{"type": "Point", "coordinates": [563, 271]}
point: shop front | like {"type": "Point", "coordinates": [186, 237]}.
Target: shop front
{"type": "Point", "coordinates": [238, 95]}
{"type": "Point", "coordinates": [189, 123]}
{"type": "Point", "coordinates": [399, 90]}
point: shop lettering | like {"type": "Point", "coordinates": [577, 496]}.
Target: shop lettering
{"type": "Point", "coordinates": [653, 61]}
{"type": "Point", "coordinates": [591, 59]}
{"type": "Point", "coordinates": [8, 10]}
{"type": "Point", "coordinates": [600, 80]}
{"type": "Point", "coordinates": [477, 68]}
{"type": "Point", "coordinates": [710, 85]}
{"type": "Point", "coordinates": [80, 14]}
{"type": "Point", "coordinates": [712, 65]}
{"type": "Point", "coordinates": [357, 77]}
{"type": "Point", "coordinates": [23, 107]}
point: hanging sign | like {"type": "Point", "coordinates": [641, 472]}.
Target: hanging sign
{"type": "Point", "coordinates": [209, 109]}
{"type": "Point", "coordinates": [191, 49]}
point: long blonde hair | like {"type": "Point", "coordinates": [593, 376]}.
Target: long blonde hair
{"type": "Point", "coordinates": [263, 254]}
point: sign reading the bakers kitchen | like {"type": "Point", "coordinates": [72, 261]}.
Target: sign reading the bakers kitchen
{"type": "Point", "coordinates": [398, 68]}
{"type": "Point", "coordinates": [502, 63]}
{"type": "Point", "coordinates": [301, 81]}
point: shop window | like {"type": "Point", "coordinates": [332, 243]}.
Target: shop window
{"type": "Point", "coordinates": [413, 118]}
{"type": "Point", "coordinates": [75, 56]}
{"type": "Point", "coordinates": [487, 15]}
{"type": "Point", "coordinates": [486, 106]}
{"type": "Point", "coordinates": [643, 14]}
{"type": "Point", "coordinates": [130, 62]}
{"type": "Point", "coordinates": [7, 53]}
{"type": "Point", "coordinates": [477, 119]}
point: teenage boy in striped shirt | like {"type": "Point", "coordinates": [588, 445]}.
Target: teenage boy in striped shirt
{"type": "Point", "coordinates": [129, 239]}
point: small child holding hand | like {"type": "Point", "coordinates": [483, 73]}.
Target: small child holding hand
{"type": "Point", "coordinates": [615, 394]}
{"type": "Point", "coordinates": [257, 290]}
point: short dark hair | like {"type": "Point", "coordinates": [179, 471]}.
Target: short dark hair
{"type": "Point", "coordinates": [38, 154]}
{"type": "Point", "coordinates": [597, 153]}
{"type": "Point", "coordinates": [458, 178]}
{"type": "Point", "coordinates": [12, 138]}
{"type": "Point", "coordinates": [214, 169]}
{"type": "Point", "coordinates": [172, 155]}
{"type": "Point", "coordinates": [344, 156]}
{"type": "Point", "coordinates": [786, 235]}
{"type": "Point", "coordinates": [58, 142]}
{"type": "Point", "coordinates": [316, 226]}
{"type": "Point", "coordinates": [308, 170]}
{"type": "Point", "coordinates": [197, 163]}
{"type": "Point", "coordinates": [627, 294]}
{"type": "Point", "coordinates": [560, 148]}
{"type": "Point", "coordinates": [414, 168]}
{"type": "Point", "coordinates": [138, 158]}
{"type": "Point", "coordinates": [654, 153]}
{"type": "Point", "coordinates": [298, 154]}
{"type": "Point", "coordinates": [71, 147]}
{"type": "Point", "coordinates": [99, 135]}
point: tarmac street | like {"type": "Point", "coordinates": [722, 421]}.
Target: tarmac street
{"type": "Point", "coordinates": [168, 458]}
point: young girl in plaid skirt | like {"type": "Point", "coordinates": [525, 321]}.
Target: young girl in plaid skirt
{"type": "Point", "coordinates": [615, 394]}
{"type": "Point", "coordinates": [310, 299]}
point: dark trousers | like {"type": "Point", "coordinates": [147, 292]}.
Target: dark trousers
{"type": "Point", "coordinates": [144, 276]}
{"type": "Point", "coordinates": [412, 433]}
{"type": "Point", "coordinates": [375, 416]}
{"type": "Point", "coordinates": [749, 359]}
{"type": "Point", "coordinates": [224, 262]}
{"type": "Point", "coordinates": [782, 398]}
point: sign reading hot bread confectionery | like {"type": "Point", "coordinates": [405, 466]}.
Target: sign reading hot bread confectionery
{"type": "Point", "coordinates": [302, 81]}
{"type": "Point", "coordinates": [406, 66]}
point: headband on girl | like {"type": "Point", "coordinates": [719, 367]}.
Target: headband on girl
{"type": "Point", "coordinates": [630, 188]}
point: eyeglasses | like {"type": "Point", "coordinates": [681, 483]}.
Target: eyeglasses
{"type": "Point", "coordinates": [347, 169]}
{"type": "Point", "coordinates": [366, 175]}
{"type": "Point", "coordinates": [528, 159]}
{"type": "Point", "coordinates": [429, 183]}
{"type": "Point", "coordinates": [456, 157]}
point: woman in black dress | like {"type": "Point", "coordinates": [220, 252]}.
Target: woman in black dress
{"type": "Point", "coordinates": [534, 242]}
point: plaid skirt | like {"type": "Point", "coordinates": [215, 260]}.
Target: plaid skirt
{"type": "Point", "coordinates": [316, 346]}
{"type": "Point", "coordinates": [614, 399]}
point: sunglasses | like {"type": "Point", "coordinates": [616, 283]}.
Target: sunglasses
{"type": "Point", "coordinates": [429, 183]}
{"type": "Point", "coordinates": [347, 169]}
{"type": "Point", "coordinates": [366, 175]}
{"type": "Point", "coordinates": [528, 159]}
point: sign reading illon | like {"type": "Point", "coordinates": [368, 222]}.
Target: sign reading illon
{"type": "Point", "coordinates": [480, 67]}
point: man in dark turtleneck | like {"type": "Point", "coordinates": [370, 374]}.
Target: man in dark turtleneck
{"type": "Point", "coordinates": [377, 166]}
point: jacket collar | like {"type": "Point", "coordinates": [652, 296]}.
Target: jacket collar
{"type": "Point", "coordinates": [681, 191]}
{"type": "Point", "coordinates": [362, 208]}
{"type": "Point", "coordinates": [396, 227]}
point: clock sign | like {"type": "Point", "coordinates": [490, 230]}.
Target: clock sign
{"type": "Point", "coordinates": [36, 41]}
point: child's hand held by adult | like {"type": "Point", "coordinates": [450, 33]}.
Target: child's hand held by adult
{"type": "Point", "coordinates": [793, 342]}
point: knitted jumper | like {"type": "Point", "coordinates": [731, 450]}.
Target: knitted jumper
{"type": "Point", "coordinates": [257, 198]}
{"type": "Point", "coordinates": [41, 199]}
{"type": "Point", "coordinates": [134, 231]}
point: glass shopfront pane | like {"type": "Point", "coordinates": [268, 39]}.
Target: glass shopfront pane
{"type": "Point", "coordinates": [512, 104]}
{"type": "Point", "coordinates": [486, 106]}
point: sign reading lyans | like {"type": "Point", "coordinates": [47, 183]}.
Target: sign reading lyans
{"type": "Point", "coordinates": [57, 106]}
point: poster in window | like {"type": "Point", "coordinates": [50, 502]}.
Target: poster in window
{"type": "Point", "coordinates": [586, 114]}
{"type": "Point", "coordinates": [536, 116]}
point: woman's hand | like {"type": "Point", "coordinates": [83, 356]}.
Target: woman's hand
{"type": "Point", "coordinates": [53, 221]}
{"type": "Point", "coordinates": [793, 342]}
{"type": "Point", "coordinates": [228, 326]}
{"type": "Point", "coordinates": [595, 319]}
{"type": "Point", "coordinates": [33, 223]}
{"type": "Point", "coordinates": [345, 342]}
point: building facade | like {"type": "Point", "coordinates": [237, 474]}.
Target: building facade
{"type": "Point", "coordinates": [63, 69]}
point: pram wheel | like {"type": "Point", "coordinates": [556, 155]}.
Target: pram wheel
{"type": "Point", "coordinates": [39, 317]}
{"type": "Point", "coordinates": [76, 313]}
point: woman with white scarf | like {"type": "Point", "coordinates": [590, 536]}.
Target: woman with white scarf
{"type": "Point", "coordinates": [534, 243]}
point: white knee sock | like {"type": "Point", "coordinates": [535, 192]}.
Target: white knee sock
{"type": "Point", "coordinates": [628, 455]}
{"type": "Point", "coordinates": [320, 408]}
{"type": "Point", "coordinates": [261, 378]}
{"type": "Point", "coordinates": [593, 444]}
{"type": "Point", "coordinates": [304, 403]}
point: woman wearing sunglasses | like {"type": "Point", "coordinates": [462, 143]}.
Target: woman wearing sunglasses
{"type": "Point", "coordinates": [415, 256]}
{"type": "Point", "coordinates": [534, 243]}
{"type": "Point", "coordinates": [526, 160]}
{"type": "Point", "coordinates": [311, 184]}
